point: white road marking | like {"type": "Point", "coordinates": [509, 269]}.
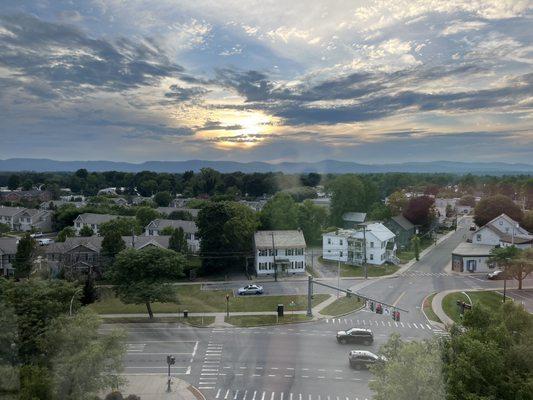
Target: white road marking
{"type": "Point", "coordinates": [236, 394]}
{"type": "Point", "coordinates": [282, 393]}
{"type": "Point", "coordinates": [415, 325]}
{"type": "Point", "coordinates": [245, 393]}
{"type": "Point", "coordinates": [429, 326]}
{"type": "Point", "coordinates": [402, 324]}
{"type": "Point", "coordinates": [253, 397]}
{"type": "Point", "coordinates": [263, 396]}
{"type": "Point", "coordinates": [226, 395]}
{"type": "Point", "coordinates": [272, 397]}
{"type": "Point", "coordinates": [396, 323]}
{"type": "Point", "coordinates": [218, 393]}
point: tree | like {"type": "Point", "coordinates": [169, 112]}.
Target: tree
{"type": "Point", "coordinates": [83, 363]}
{"type": "Point", "coordinates": [280, 212]}
{"type": "Point", "coordinates": [4, 228]}
{"type": "Point", "coordinates": [178, 241]}
{"type": "Point", "coordinates": [527, 221]}
{"type": "Point", "coordinates": [413, 371]}
{"type": "Point", "coordinates": [491, 357]}
{"type": "Point", "coordinates": [27, 184]}
{"type": "Point", "coordinates": [13, 182]}
{"type": "Point", "coordinates": [124, 226]}
{"type": "Point", "coordinates": [144, 276]}
{"type": "Point", "coordinates": [312, 179]}
{"type": "Point", "coordinates": [225, 229]}
{"type": "Point", "coordinates": [82, 173]}
{"type": "Point", "coordinates": [489, 208]}
{"type": "Point", "coordinates": [112, 244]}
{"type": "Point", "coordinates": [145, 215]}
{"type": "Point", "coordinates": [25, 255]}
{"type": "Point", "coordinates": [66, 232]}
{"type": "Point", "coordinates": [162, 199]}
{"type": "Point", "coordinates": [379, 212]}
{"type": "Point", "coordinates": [86, 231]}
{"type": "Point", "coordinates": [397, 202]}
{"type": "Point", "coordinates": [521, 266]}
{"type": "Point", "coordinates": [89, 295]}
{"type": "Point", "coordinates": [467, 200]}
{"type": "Point", "coordinates": [311, 219]}
{"type": "Point", "coordinates": [347, 195]}
{"type": "Point", "coordinates": [181, 215]}
{"type": "Point", "coordinates": [419, 210]}
{"type": "Point", "coordinates": [415, 242]}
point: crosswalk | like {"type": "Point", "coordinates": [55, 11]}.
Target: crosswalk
{"type": "Point", "coordinates": [417, 274]}
{"type": "Point", "coordinates": [210, 366]}
{"type": "Point", "coordinates": [372, 323]}
{"type": "Point", "coordinates": [251, 394]}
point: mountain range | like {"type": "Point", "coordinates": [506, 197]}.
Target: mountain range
{"type": "Point", "coordinates": [325, 166]}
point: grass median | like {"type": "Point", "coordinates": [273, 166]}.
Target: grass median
{"type": "Point", "coordinates": [489, 299]}
{"type": "Point", "coordinates": [193, 321]}
{"type": "Point", "coordinates": [428, 310]}
{"type": "Point", "coordinates": [258, 320]}
{"type": "Point", "coordinates": [354, 271]}
{"type": "Point", "coordinates": [194, 299]}
{"type": "Point", "coordinates": [343, 305]}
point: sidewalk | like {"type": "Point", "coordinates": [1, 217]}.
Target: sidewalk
{"type": "Point", "coordinates": [154, 387]}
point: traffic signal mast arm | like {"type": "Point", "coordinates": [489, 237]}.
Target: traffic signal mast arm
{"type": "Point", "coordinates": [348, 292]}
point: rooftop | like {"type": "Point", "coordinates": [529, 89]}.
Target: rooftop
{"type": "Point", "coordinates": [472, 249]}
{"type": "Point", "coordinates": [279, 239]}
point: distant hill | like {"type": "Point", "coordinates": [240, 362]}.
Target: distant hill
{"type": "Point", "coordinates": [326, 166]}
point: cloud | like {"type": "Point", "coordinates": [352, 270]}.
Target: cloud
{"type": "Point", "coordinates": [218, 126]}
{"type": "Point", "coordinates": [183, 94]}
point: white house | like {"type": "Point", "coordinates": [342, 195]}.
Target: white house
{"type": "Point", "coordinates": [26, 219]}
{"type": "Point", "coordinates": [93, 221]}
{"type": "Point", "coordinates": [281, 252]}
{"type": "Point", "coordinates": [189, 228]}
{"type": "Point", "coordinates": [503, 231]}
{"type": "Point", "coordinates": [472, 257]}
{"type": "Point", "coordinates": [348, 245]}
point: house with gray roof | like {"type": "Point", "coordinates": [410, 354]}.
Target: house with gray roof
{"type": "Point", "coordinates": [166, 211]}
{"type": "Point", "coordinates": [279, 252]}
{"type": "Point", "coordinates": [9, 215]}
{"type": "Point", "coordinates": [353, 219]}
{"type": "Point", "coordinates": [403, 229]}
{"type": "Point", "coordinates": [26, 219]}
{"type": "Point", "coordinates": [189, 228]}
{"type": "Point", "coordinates": [8, 250]}
{"type": "Point", "coordinates": [93, 221]}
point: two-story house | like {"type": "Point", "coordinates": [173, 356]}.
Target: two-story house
{"type": "Point", "coordinates": [9, 215]}
{"type": "Point", "coordinates": [373, 242]}
{"type": "Point", "coordinates": [503, 231]}
{"type": "Point", "coordinates": [279, 252]}
{"type": "Point", "coordinates": [32, 219]}
{"type": "Point", "coordinates": [8, 250]}
{"type": "Point", "coordinates": [93, 221]}
{"type": "Point", "coordinates": [189, 228]}
{"type": "Point", "coordinates": [403, 229]}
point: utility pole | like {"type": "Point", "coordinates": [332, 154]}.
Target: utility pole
{"type": "Point", "coordinates": [309, 296]}
{"type": "Point", "coordinates": [364, 252]}
{"type": "Point", "coordinates": [338, 277]}
{"type": "Point", "coordinates": [274, 258]}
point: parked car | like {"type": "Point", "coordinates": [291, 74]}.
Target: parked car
{"type": "Point", "coordinates": [36, 235]}
{"type": "Point", "coordinates": [356, 335]}
{"type": "Point", "coordinates": [473, 227]}
{"type": "Point", "coordinates": [363, 359]}
{"type": "Point", "coordinates": [250, 289]}
{"type": "Point", "coordinates": [494, 275]}
{"type": "Point", "coordinates": [45, 241]}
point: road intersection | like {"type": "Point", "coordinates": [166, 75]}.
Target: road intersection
{"type": "Point", "coordinates": [299, 361]}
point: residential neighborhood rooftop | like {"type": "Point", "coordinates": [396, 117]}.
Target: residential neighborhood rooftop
{"type": "Point", "coordinates": [279, 239]}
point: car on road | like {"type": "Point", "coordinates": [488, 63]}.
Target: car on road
{"type": "Point", "coordinates": [363, 359]}
{"type": "Point", "coordinates": [250, 289]}
{"type": "Point", "coordinates": [45, 241]}
{"type": "Point", "coordinates": [494, 275]}
{"type": "Point", "coordinates": [36, 235]}
{"type": "Point", "coordinates": [356, 335]}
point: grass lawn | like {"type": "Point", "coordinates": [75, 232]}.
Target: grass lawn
{"type": "Point", "coordinates": [489, 299]}
{"type": "Point", "coordinates": [343, 305]}
{"type": "Point", "coordinates": [194, 321]}
{"type": "Point", "coordinates": [193, 299]}
{"type": "Point", "coordinates": [429, 311]}
{"type": "Point", "coordinates": [407, 255]}
{"type": "Point", "coordinates": [350, 271]}
{"type": "Point", "coordinates": [257, 320]}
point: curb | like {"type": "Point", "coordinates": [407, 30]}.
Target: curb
{"type": "Point", "coordinates": [196, 392]}
{"type": "Point", "coordinates": [340, 315]}
{"type": "Point", "coordinates": [430, 321]}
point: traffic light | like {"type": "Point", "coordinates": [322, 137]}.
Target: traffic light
{"type": "Point", "coordinates": [379, 309]}
{"type": "Point", "coordinates": [171, 360]}
{"type": "Point", "coordinates": [371, 306]}
{"type": "Point", "coordinates": [398, 316]}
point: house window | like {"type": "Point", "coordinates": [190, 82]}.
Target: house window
{"type": "Point", "coordinates": [340, 242]}
{"type": "Point", "coordinates": [371, 256]}
{"type": "Point", "coordinates": [77, 224]}
{"type": "Point", "coordinates": [372, 244]}
{"type": "Point", "coordinates": [151, 232]}
{"type": "Point", "coordinates": [329, 240]}
{"type": "Point", "coordinates": [340, 253]}
{"type": "Point", "coordinates": [478, 237]}
{"type": "Point", "coordinates": [262, 253]}
{"type": "Point", "coordinates": [501, 222]}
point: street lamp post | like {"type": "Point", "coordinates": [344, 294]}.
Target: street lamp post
{"type": "Point", "coordinates": [171, 360]}
{"type": "Point", "coordinates": [227, 305]}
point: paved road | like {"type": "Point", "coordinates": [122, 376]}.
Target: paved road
{"type": "Point", "coordinates": [300, 361]}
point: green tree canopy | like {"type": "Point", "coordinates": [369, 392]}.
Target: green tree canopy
{"type": "Point", "coordinates": [122, 226]}
{"type": "Point", "coordinates": [226, 231]}
{"type": "Point", "coordinates": [26, 253]}
{"type": "Point", "coordinates": [66, 232]}
{"type": "Point", "coordinates": [347, 195]}
{"type": "Point", "coordinates": [145, 215]}
{"type": "Point", "coordinates": [397, 202]}
{"type": "Point", "coordinates": [413, 371]}
{"type": "Point", "coordinates": [162, 199]}
{"type": "Point", "coordinates": [112, 244]}
{"type": "Point", "coordinates": [489, 208]}
{"type": "Point", "coordinates": [145, 276]}
{"type": "Point", "coordinates": [86, 231]}
{"type": "Point", "coordinates": [312, 219]}
{"type": "Point", "coordinates": [178, 241]}
{"type": "Point", "coordinates": [280, 212]}
{"type": "Point", "coordinates": [13, 182]}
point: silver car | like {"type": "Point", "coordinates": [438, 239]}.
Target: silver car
{"type": "Point", "coordinates": [250, 289]}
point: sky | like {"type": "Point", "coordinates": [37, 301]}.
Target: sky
{"type": "Point", "coordinates": [372, 81]}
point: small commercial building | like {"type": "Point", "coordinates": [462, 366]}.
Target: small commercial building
{"type": "Point", "coordinates": [279, 252]}
{"type": "Point", "coordinates": [471, 257]}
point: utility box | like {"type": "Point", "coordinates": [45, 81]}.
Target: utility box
{"type": "Point", "coordinates": [280, 310]}
{"type": "Point", "coordinates": [186, 314]}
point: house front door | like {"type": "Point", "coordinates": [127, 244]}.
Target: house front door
{"type": "Point", "coordinates": [471, 265]}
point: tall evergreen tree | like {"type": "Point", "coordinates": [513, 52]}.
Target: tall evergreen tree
{"type": "Point", "coordinates": [178, 241]}
{"type": "Point", "coordinates": [24, 257]}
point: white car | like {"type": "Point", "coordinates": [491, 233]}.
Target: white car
{"type": "Point", "coordinates": [44, 242]}
{"type": "Point", "coordinates": [250, 289]}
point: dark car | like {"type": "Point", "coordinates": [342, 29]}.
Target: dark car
{"type": "Point", "coordinates": [355, 335]}
{"type": "Point", "coordinates": [363, 359]}
{"type": "Point", "coordinates": [498, 274]}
